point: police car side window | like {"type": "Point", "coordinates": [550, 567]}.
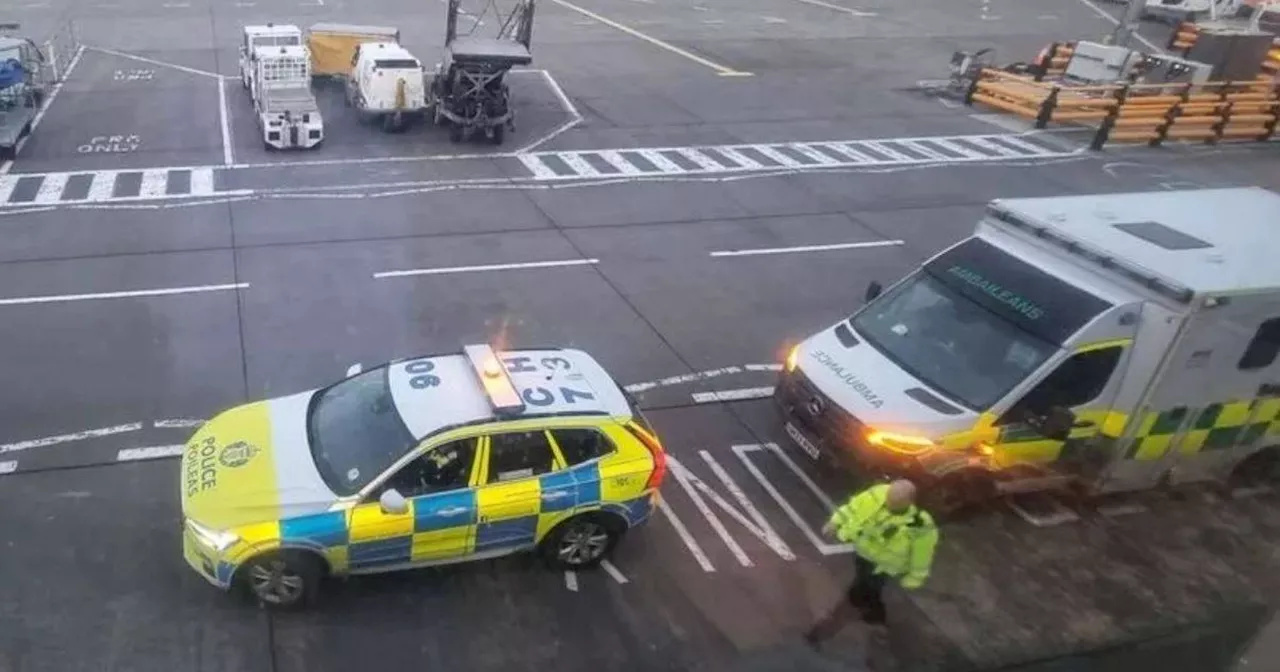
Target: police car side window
{"type": "Point", "coordinates": [445, 467]}
{"type": "Point", "coordinates": [580, 445]}
{"type": "Point", "coordinates": [517, 455]}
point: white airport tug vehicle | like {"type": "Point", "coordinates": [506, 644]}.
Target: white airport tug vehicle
{"type": "Point", "coordinates": [386, 85]}
{"type": "Point", "coordinates": [276, 68]}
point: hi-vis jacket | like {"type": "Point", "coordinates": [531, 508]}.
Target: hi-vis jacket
{"type": "Point", "coordinates": [898, 544]}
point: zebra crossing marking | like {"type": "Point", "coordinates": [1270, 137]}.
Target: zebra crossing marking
{"type": "Point", "coordinates": [104, 186]}
{"type": "Point", "coordinates": [711, 159]}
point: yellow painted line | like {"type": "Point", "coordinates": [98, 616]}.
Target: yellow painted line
{"type": "Point", "coordinates": [721, 70]}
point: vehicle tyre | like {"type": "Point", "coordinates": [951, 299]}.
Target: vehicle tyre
{"type": "Point", "coordinates": [282, 579]}
{"type": "Point", "coordinates": [498, 135]}
{"type": "Point", "coordinates": [957, 493]}
{"type": "Point", "coordinates": [581, 542]}
{"type": "Point", "coordinates": [1259, 469]}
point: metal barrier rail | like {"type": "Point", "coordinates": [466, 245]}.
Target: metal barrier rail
{"type": "Point", "coordinates": [1184, 37]}
{"type": "Point", "coordinates": [1150, 113]}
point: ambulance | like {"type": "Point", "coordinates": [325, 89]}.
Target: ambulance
{"type": "Point", "coordinates": [1094, 344]}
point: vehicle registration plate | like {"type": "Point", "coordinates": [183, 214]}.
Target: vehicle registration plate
{"type": "Point", "coordinates": [803, 441]}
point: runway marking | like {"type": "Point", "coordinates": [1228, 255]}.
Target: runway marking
{"type": "Point", "coordinates": [63, 298]}
{"type": "Point", "coordinates": [693, 377]}
{"type": "Point", "coordinates": [8, 467]}
{"type": "Point", "coordinates": [806, 248]}
{"type": "Point", "coordinates": [44, 108]}
{"type": "Point", "coordinates": [152, 61]}
{"type": "Point", "coordinates": [721, 70]}
{"type": "Point", "coordinates": [149, 453]}
{"type": "Point", "coordinates": [486, 267]}
{"type": "Point", "coordinates": [106, 186]}
{"type": "Point", "coordinates": [228, 156]}
{"type": "Point", "coordinates": [613, 571]}
{"type": "Point", "coordinates": [839, 8]}
{"type": "Point", "coordinates": [686, 481]}
{"type": "Point", "coordinates": [769, 535]}
{"type": "Point", "coordinates": [714, 159]}
{"type": "Point", "coordinates": [575, 117]}
{"type": "Point", "coordinates": [67, 438]}
{"type": "Point", "coordinates": [820, 544]}
{"type": "Point", "coordinates": [571, 580]}
{"type": "Point", "coordinates": [178, 423]}
{"type": "Point", "coordinates": [733, 395]}
{"type": "Point", "coordinates": [690, 543]}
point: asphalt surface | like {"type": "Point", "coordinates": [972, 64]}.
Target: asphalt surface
{"type": "Point", "coordinates": [155, 269]}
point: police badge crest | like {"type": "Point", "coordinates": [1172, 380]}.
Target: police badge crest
{"type": "Point", "coordinates": [237, 454]}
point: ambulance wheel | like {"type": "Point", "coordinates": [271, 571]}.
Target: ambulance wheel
{"type": "Point", "coordinates": [954, 494]}
{"type": "Point", "coordinates": [282, 579]}
{"type": "Point", "coordinates": [582, 542]}
{"type": "Point", "coordinates": [1259, 469]}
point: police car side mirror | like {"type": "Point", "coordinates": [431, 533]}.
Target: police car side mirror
{"type": "Point", "coordinates": [393, 503]}
{"type": "Point", "coordinates": [1056, 424]}
{"type": "Point", "coordinates": [873, 290]}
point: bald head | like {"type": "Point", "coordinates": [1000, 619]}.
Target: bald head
{"type": "Point", "coordinates": [901, 495]}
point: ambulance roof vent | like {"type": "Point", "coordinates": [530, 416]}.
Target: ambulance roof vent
{"type": "Point", "coordinates": [1162, 236]}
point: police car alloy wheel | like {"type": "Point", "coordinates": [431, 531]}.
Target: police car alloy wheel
{"type": "Point", "coordinates": [581, 542]}
{"type": "Point", "coordinates": [281, 580]}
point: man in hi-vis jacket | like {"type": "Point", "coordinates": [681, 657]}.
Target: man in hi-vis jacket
{"type": "Point", "coordinates": [892, 538]}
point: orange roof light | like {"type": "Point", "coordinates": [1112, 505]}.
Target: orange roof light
{"type": "Point", "coordinates": [498, 387]}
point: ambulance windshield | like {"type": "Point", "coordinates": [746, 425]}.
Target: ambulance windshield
{"type": "Point", "coordinates": [356, 431]}
{"type": "Point", "coordinates": [950, 342]}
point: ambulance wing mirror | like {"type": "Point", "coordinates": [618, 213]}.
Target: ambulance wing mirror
{"type": "Point", "coordinates": [1056, 424]}
{"type": "Point", "coordinates": [393, 503]}
{"type": "Point", "coordinates": [873, 290]}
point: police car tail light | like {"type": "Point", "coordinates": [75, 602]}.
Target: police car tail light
{"type": "Point", "coordinates": [659, 456]}
{"type": "Point", "coordinates": [502, 393]}
{"type": "Point", "coordinates": [901, 443]}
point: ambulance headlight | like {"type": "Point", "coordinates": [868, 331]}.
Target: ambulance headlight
{"type": "Point", "coordinates": [214, 539]}
{"type": "Point", "coordinates": [900, 443]}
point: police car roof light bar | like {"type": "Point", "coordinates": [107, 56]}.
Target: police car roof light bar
{"type": "Point", "coordinates": [498, 387]}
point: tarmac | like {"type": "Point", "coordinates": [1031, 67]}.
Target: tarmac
{"type": "Point", "coordinates": [158, 265]}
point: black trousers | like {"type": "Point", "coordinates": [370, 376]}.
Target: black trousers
{"type": "Point", "coordinates": [864, 597]}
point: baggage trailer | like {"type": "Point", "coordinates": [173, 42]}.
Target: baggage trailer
{"type": "Point", "coordinates": [333, 46]}
{"type": "Point", "coordinates": [468, 90]}
{"type": "Point", "coordinates": [24, 81]}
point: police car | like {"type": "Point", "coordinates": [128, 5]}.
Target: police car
{"type": "Point", "coordinates": [434, 460]}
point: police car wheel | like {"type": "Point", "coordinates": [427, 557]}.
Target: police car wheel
{"type": "Point", "coordinates": [282, 580]}
{"type": "Point", "coordinates": [581, 542]}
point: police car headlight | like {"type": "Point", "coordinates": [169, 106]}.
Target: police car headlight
{"type": "Point", "coordinates": [214, 539]}
{"type": "Point", "coordinates": [900, 443]}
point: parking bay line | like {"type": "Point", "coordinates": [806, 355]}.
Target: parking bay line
{"type": "Point", "coordinates": [732, 395]}
{"type": "Point", "coordinates": [149, 453]}
{"type": "Point", "coordinates": [721, 70]}
{"type": "Point", "coordinates": [62, 298]}
{"type": "Point", "coordinates": [486, 267]}
{"type": "Point", "coordinates": [806, 248]}
{"type": "Point", "coordinates": [67, 438]}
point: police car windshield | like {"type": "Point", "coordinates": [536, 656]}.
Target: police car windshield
{"type": "Point", "coordinates": [356, 432]}
{"type": "Point", "coordinates": [951, 343]}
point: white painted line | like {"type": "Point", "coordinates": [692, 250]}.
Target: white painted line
{"type": "Point", "coordinates": [806, 248]}
{"type": "Point", "coordinates": [683, 532]}
{"type": "Point", "coordinates": [148, 453]}
{"type": "Point", "coordinates": [201, 182]}
{"type": "Point", "coordinates": [720, 69]}
{"type": "Point", "coordinates": [684, 478]}
{"type": "Point", "coordinates": [7, 184]}
{"type": "Point", "coordinates": [176, 5]}
{"type": "Point", "coordinates": [67, 438]}
{"type": "Point", "coordinates": [660, 162]}
{"type": "Point", "coordinates": [102, 187]}
{"type": "Point", "coordinates": [763, 367]}
{"type": "Point", "coordinates": [178, 423]}
{"type": "Point", "coordinates": [775, 155]}
{"type": "Point", "coordinates": [893, 154]}
{"type": "Point", "coordinates": [153, 183]}
{"type": "Point", "coordinates": [152, 61]}
{"type": "Point", "coordinates": [684, 378]}
{"type": "Point", "coordinates": [921, 148]}
{"type": "Point", "coordinates": [846, 149]}
{"type": "Point", "coordinates": [814, 538]}
{"type": "Point", "coordinates": [575, 117]}
{"type": "Point", "coordinates": [539, 168]}
{"type": "Point", "coordinates": [838, 8]}
{"type": "Point", "coordinates": [770, 537]}
{"type": "Point", "coordinates": [61, 298]}
{"type": "Point", "coordinates": [615, 159]}
{"type": "Point", "coordinates": [489, 267]}
{"type": "Point", "coordinates": [579, 165]}
{"type": "Point", "coordinates": [1024, 145]}
{"type": "Point", "coordinates": [228, 157]}
{"type": "Point", "coordinates": [571, 580]}
{"type": "Point", "coordinates": [51, 188]}
{"type": "Point", "coordinates": [704, 162]}
{"type": "Point", "coordinates": [958, 149]}
{"type": "Point", "coordinates": [8, 467]}
{"type": "Point", "coordinates": [742, 159]}
{"type": "Point", "coordinates": [821, 158]}
{"type": "Point", "coordinates": [992, 147]}
{"type": "Point", "coordinates": [48, 101]}
{"type": "Point", "coordinates": [1103, 13]}
{"type": "Point", "coordinates": [732, 395]}
{"type": "Point", "coordinates": [613, 571]}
